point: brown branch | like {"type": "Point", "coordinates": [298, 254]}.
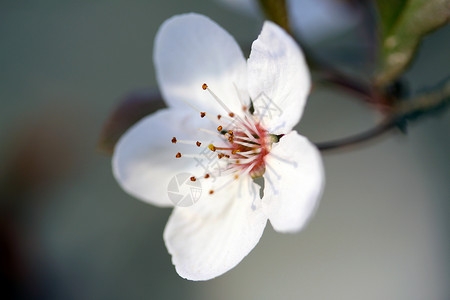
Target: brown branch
{"type": "Point", "coordinates": [402, 112]}
{"type": "Point", "coordinates": [384, 127]}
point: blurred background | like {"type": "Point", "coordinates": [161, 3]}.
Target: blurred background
{"type": "Point", "coordinates": [67, 231]}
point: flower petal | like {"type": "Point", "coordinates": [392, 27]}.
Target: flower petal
{"type": "Point", "coordinates": [213, 236]}
{"type": "Point", "coordinates": [144, 159]}
{"type": "Point", "coordinates": [190, 50]}
{"type": "Point", "coordinates": [278, 79]}
{"type": "Point", "coordinates": [294, 181]}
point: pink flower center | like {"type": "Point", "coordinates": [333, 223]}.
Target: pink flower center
{"type": "Point", "coordinates": [243, 146]}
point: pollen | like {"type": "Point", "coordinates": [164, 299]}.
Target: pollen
{"type": "Point", "coordinates": [202, 114]}
{"type": "Point", "coordinates": [231, 115]}
{"type": "Point", "coordinates": [219, 117]}
{"type": "Point", "coordinates": [178, 155]}
{"type": "Point", "coordinates": [219, 128]}
{"type": "Point", "coordinates": [198, 143]}
{"type": "Point", "coordinates": [204, 86]}
{"type": "Point", "coordinates": [220, 155]}
{"type": "Point", "coordinates": [193, 178]}
{"type": "Point", "coordinates": [174, 140]}
{"type": "Point", "coordinates": [211, 192]}
{"type": "Point", "coordinates": [206, 175]}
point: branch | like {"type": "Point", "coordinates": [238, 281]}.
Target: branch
{"type": "Point", "coordinates": [370, 134]}
{"type": "Point", "coordinates": [407, 110]}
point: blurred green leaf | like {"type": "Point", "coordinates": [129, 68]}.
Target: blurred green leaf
{"type": "Point", "coordinates": [133, 108]}
{"type": "Point", "coordinates": [275, 10]}
{"type": "Point", "coordinates": [389, 11]}
{"type": "Point", "coordinates": [403, 24]}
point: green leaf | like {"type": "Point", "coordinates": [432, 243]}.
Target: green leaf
{"type": "Point", "coordinates": [404, 23]}
{"type": "Point", "coordinates": [275, 10]}
{"type": "Point", "coordinates": [133, 108]}
{"type": "Point", "coordinates": [389, 11]}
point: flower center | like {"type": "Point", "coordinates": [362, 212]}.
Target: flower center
{"type": "Point", "coordinates": [241, 146]}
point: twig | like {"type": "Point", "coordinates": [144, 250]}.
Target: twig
{"type": "Point", "coordinates": [370, 134]}
{"type": "Point", "coordinates": [402, 112]}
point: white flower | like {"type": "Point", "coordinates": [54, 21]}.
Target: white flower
{"type": "Point", "coordinates": [216, 233]}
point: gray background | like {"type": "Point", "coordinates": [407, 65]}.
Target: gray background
{"type": "Point", "coordinates": [381, 231]}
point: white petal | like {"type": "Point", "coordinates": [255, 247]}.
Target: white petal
{"type": "Point", "coordinates": [190, 50]}
{"type": "Point", "coordinates": [278, 79]}
{"type": "Point", "coordinates": [211, 237]}
{"type": "Point", "coordinates": [144, 159]}
{"type": "Point", "coordinates": [294, 181]}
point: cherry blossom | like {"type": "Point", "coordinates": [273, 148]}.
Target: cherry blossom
{"type": "Point", "coordinates": [229, 121]}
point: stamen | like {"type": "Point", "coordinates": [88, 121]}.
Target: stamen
{"type": "Point", "coordinates": [199, 156]}
{"type": "Point", "coordinates": [212, 132]}
{"type": "Point", "coordinates": [205, 87]}
{"type": "Point", "coordinates": [220, 173]}
{"type": "Point", "coordinates": [269, 181]}
{"type": "Point", "coordinates": [273, 171]}
{"type": "Point", "coordinates": [197, 143]}
{"type": "Point", "coordinates": [246, 144]}
{"type": "Point", "coordinates": [248, 169]}
{"type": "Point", "coordinates": [218, 100]}
{"type": "Point", "coordinates": [283, 160]}
{"type": "Point", "coordinates": [253, 152]}
{"type": "Point", "coordinates": [252, 124]}
{"type": "Point", "coordinates": [243, 161]}
{"type": "Point", "coordinates": [222, 148]}
{"type": "Point", "coordinates": [225, 184]}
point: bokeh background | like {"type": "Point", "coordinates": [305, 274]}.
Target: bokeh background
{"type": "Point", "coordinates": [68, 231]}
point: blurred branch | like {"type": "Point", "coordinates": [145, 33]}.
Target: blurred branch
{"type": "Point", "coordinates": [407, 110]}
{"type": "Point", "coordinates": [276, 11]}
{"type": "Point", "coordinates": [132, 109]}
